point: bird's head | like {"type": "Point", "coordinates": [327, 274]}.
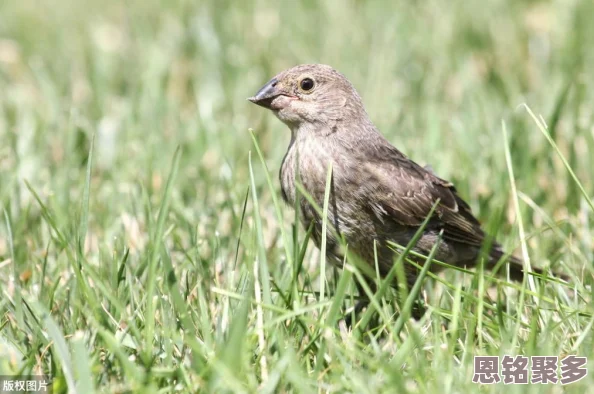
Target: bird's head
{"type": "Point", "coordinates": [311, 94]}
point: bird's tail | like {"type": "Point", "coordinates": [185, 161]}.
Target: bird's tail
{"type": "Point", "coordinates": [516, 267]}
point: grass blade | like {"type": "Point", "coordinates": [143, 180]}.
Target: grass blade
{"type": "Point", "coordinates": [84, 205]}
{"type": "Point", "coordinates": [156, 244]}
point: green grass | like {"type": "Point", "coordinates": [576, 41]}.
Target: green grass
{"type": "Point", "coordinates": [143, 246]}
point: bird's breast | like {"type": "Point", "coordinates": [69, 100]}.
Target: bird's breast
{"type": "Point", "coordinates": [306, 162]}
{"type": "Point", "coordinates": [349, 214]}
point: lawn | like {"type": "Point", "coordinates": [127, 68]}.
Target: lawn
{"type": "Point", "coordinates": [144, 246]}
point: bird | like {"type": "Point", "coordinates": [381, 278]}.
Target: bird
{"type": "Point", "coordinates": [378, 196]}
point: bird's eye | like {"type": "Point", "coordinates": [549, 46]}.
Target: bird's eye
{"type": "Point", "coordinates": [306, 84]}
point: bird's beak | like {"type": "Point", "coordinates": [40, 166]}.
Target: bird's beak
{"type": "Point", "coordinates": [266, 94]}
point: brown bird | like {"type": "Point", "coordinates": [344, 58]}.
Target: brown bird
{"type": "Point", "coordinates": [378, 195]}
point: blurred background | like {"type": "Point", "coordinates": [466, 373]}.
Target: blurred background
{"type": "Point", "coordinates": [145, 76]}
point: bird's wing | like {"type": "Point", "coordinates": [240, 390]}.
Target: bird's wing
{"type": "Point", "coordinates": [407, 192]}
